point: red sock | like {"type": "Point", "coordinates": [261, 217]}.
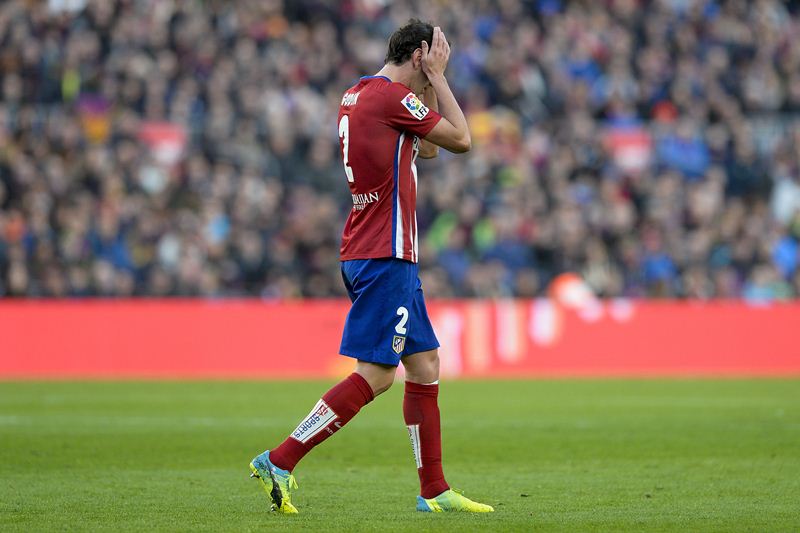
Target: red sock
{"type": "Point", "coordinates": [421, 412]}
{"type": "Point", "coordinates": [333, 411]}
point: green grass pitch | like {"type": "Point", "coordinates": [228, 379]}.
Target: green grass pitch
{"type": "Point", "coordinates": [572, 455]}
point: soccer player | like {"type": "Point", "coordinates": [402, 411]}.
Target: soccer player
{"type": "Point", "coordinates": [383, 127]}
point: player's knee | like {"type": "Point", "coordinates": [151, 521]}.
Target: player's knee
{"type": "Point", "coordinates": [379, 377]}
{"type": "Point", "coordinates": [382, 387]}
{"type": "Point", "coordinates": [422, 367]}
{"type": "Point", "coordinates": [431, 363]}
{"type": "Point", "coordinates": [380, 383]}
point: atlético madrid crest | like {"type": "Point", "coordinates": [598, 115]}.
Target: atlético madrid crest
{"type": "Point", "coordinates": [398, 343]}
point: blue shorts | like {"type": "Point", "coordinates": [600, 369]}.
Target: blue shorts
{"type": "Point", "coordinates": [388, 319]}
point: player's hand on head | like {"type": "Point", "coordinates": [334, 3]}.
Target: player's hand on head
{"type": "Point", "coordinates": [435, 57]}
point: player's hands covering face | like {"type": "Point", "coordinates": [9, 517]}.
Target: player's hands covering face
{"type": "Point", "coordinates": [434, 60]}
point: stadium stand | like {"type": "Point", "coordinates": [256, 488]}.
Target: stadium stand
{"type": "Point", "coordinates": [159, 148]}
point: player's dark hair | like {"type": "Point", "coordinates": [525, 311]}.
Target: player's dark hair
{"type": "Point", "coordinates": [405, 40]}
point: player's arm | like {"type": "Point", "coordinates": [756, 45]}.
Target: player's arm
{"type": "Point", "coordinates": [428, 150]}
{"type": "Point", "coordinates": [451, 133]}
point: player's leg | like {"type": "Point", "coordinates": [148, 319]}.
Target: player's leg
{"type": "Point", "coordinates": [421, 413]}
{"type": "Point", "coordinates": [335, 409]}
{"type": "Point", "coordinates": [374, 372]}
{"type": "Point", "coordinates": [367, 337]}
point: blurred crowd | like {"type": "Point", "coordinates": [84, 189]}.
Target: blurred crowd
{"type": "Point", "coordinates": [181, 148]}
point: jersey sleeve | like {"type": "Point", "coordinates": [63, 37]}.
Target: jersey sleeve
{"type": "Point", "coordinates": [406, 112]}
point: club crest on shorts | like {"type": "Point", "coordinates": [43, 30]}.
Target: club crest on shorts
{"type": "Point", "coordinates": [398, 344]}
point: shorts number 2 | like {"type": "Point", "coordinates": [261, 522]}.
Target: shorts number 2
{"type": "Point", "coordinates": [400, 328]}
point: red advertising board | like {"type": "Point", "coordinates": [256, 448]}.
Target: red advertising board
{"type": "Point", "coordinates": [480, 338]}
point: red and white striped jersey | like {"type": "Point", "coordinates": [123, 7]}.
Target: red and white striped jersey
{"type": "Point", "coordinates": [380, 126]}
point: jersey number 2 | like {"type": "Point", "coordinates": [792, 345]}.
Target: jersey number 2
{"type": "Point", "coordinates": [344, 133]}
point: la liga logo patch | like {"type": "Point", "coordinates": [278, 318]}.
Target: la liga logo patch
{"type": "Point", "coordinates": [415, 106]}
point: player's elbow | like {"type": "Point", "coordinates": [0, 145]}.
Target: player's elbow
{"type": "Point", "coordinates": [430, 153]}
{"type": "Point", "coordinates": [463, 145]}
